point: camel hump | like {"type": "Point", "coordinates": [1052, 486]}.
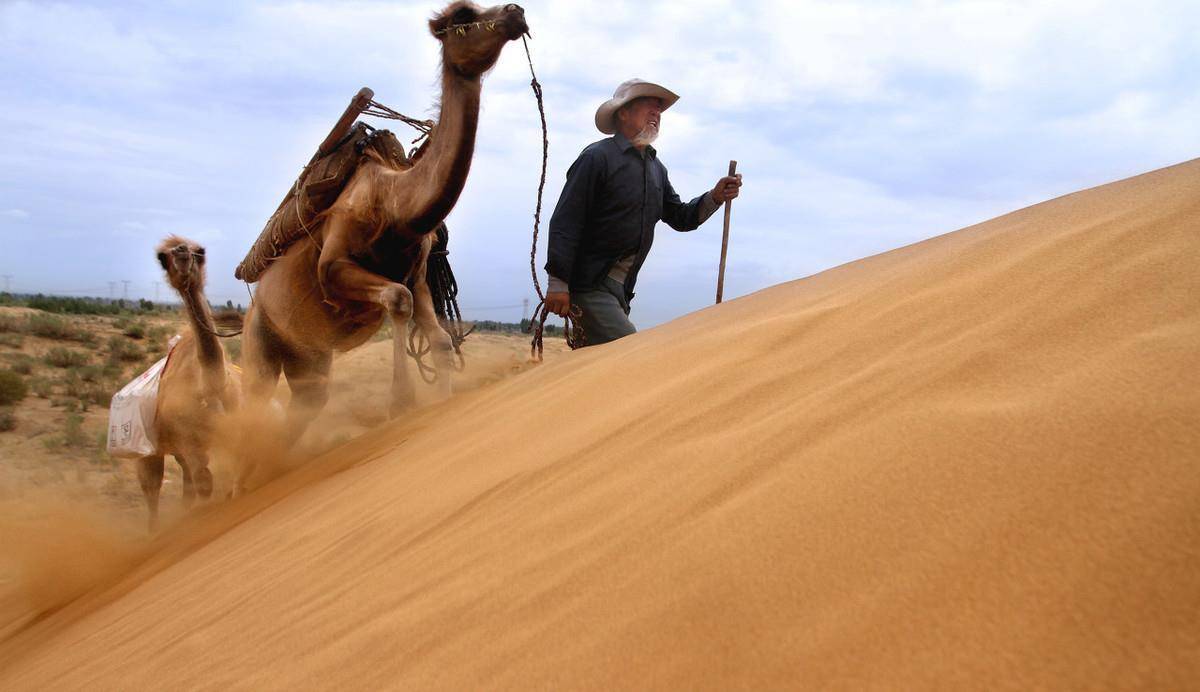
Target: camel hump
{"type": "Point", "coordinates": [315, 190]}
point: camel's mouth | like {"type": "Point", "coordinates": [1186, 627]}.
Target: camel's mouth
{"type": "Point", "coordinates": [514, 22]}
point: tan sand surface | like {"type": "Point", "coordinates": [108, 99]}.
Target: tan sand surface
{"type": "Point", "coordinates": [973, 462]}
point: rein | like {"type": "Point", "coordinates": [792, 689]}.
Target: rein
{"type": "Point", "coordinates": [572, 330]}
{"type": "Point", "coordinates": [196, 318]}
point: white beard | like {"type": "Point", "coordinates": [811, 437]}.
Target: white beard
{"type": "Point", "coordinates": [647, 136]}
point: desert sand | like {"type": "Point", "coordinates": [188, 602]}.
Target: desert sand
{"type": "Point", "coordinates": [971, 462]}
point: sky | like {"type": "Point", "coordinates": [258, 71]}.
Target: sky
{"type": "Point", "coordinates": [859, 126]}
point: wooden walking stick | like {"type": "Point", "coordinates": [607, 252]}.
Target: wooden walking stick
{"type": "Point", "coordinates": [725, 240]}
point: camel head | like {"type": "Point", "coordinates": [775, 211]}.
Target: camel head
{"type": "Point", "coordinates": [183, 260]}
{"type": "Point", "coordinates": [472, 37]}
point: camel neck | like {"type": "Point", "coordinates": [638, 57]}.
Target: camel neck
{"type": "Point", "coordinates": [200, 318]}
{"type": "Point", "coordinates": [441, 173]}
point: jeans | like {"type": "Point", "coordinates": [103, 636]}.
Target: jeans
{"type": "Point", "coordinates": [605, 313]}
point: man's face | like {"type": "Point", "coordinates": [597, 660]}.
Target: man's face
{"type": "Point", "coordinates": [641, 115]}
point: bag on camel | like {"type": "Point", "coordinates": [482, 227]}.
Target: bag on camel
{"type": "Point", "coordinates": [132, 412]}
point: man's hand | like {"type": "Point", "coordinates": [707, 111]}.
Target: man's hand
{"type": "Point", "coordinates": [558, 302]}
{"type": "Point", "coordinates": [727, 188]}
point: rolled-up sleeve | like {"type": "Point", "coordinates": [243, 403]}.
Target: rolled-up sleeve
{"type": "Point", "coordinates": [571, 213]}
{"type": "Point", "coordinates": [685, 217]}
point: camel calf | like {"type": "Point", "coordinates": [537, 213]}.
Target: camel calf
{"type": "Point", "coordinates": [194, 388]}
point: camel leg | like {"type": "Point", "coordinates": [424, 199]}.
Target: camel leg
{"type": "Point", "coordinates": [403, 393]}
{"type": "Point", "coordinates": [189, 486]}
{"type": "Point", "coordinates": [261, 360]}
{"type": "Point", "coordinates": [440, 345]}
{"type": "Point", "coordinates": [197, 478]}
{"type": "Point", "coordinates": [262, 354]}
{"type": "Point", "coordinates": [308, 378]}
{"type": "Point", "coordinates": [150, 474]}
{"type": "Point", "coordinates": [346, 280]}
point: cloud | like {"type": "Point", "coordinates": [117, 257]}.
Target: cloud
{"type": "Point", "coordinates": [859, 125]}
{"type": "Point", "coordinates": [18, 214]}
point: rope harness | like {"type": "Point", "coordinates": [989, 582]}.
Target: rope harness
{"type": "Point", "coordinates": [572, 330]}
{"type": "Point", "coordinates": [444, 290]}
{"type": "Point", "coordinates": [425, 127]}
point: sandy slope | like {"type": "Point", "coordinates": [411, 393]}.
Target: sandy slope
{"type": "Point", "coordinates": [972, 461]}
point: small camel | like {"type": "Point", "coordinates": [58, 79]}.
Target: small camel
{"type": "Point", "coordinates": [193, 389]}
{"type": "Point", "coordinates": [366, 256]}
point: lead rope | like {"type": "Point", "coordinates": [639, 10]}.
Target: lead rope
{"type": "Point", "coordinates": [187, 287]}
{"type": "Point", "coordinates": [572, 330]}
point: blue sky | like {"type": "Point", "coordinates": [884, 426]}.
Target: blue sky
{"type": "Point", "coordinates": [860, 125]}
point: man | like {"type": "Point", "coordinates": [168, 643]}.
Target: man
{"type": "Point", "coordinates": [603, 224]}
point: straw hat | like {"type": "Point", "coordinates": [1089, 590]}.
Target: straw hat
{"type": "Point", "coordinates": [628, 91]}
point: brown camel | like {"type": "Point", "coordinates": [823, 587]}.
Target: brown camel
{"type": "Point", "coordinates": [193, 389]}
{"type": "Point", "coordinates": [365, 257]}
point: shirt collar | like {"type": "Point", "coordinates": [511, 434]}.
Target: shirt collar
{"type": "Point", "coordinates": [625, 145]}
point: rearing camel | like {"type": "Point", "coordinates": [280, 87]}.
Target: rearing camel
{"type": "Point", "coordinates": [366, 256]}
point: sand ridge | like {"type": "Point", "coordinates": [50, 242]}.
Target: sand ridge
{"type": "Point", "coordinates": [970, 461]}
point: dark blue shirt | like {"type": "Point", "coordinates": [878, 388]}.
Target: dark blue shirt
{"type": "Point", "coordinates": [613, 197]}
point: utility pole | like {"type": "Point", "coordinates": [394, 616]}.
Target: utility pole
{"type": "Point", "coordinates": [112, 290]}
{"type": "Point", "coordinates": [524, 309]}
{"type": "Point", "coordinates": [156, 285]}
{"type": "Point", "coordinates": [125, 290]}
{"type": "Point", "coordinates": [7, 279]}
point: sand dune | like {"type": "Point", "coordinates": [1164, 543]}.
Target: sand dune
{"type": "Point", "coordinates": [971, 462]}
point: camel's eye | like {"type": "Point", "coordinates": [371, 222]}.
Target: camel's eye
{"type": "Point", "coordinates": [510, 7]}
{"type": "Point", "coordinates": [162, 259]}
{"type": "Point", "coordinates": [463, 15]}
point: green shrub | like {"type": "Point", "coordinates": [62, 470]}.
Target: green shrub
{"type": "Point", "coordinates": [91, 373]}
{"type": "Point", "coordinates": [61, 357]}
{"type": "Point", "coordinates": [137, 330]}
{"type": "Point", "coordinates": [120, 349]}
{"type": "Point", "coordinates": [159, 335]}
{"type": "Point", "coordinates": [8, 421]}
{"type": "Point", "coordinates": [10, 325]}
{"type": "Point", "coordinates": [12, 388]}
{"type": "Point", "coordinates": [57, 328]}
{"type": "Point", "coordinates": [73, 431]}
{"type": "Point", "coordinates": [22, 364]}
{"type": "Point", "coordinates": [11, 340]}
{"type": "Point", "coordinates": [100, 451]}
{"type": "Point", "coordinates": [42, 387]}
{"type": "Point", "coordinates": [75, 306]}
{"type": "Point", "coordinates": [96, 394]}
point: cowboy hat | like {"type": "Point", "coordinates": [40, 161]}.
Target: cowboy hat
{"type": "Point", "coordinates": [628, 91]}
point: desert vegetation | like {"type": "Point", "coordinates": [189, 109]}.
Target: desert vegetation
{"type": "Point", "coordinates": [60, 369]}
